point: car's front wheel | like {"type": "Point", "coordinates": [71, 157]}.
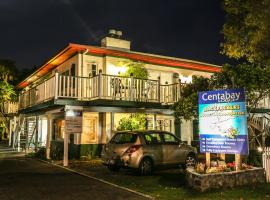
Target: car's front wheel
{"type": "Point", "coordinates": [145, 167]}
{"type": "Point", "coordinates": [190, 161]}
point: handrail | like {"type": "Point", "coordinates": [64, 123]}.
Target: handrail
{"type": "Point", "coordinates": [47, 79]}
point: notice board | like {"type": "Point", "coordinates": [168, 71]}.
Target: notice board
{"type": "Point", "coordinates": [223, 122]}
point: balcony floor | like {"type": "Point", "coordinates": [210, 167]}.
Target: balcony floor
{"type": "Point", "coordinates": [54, 103]}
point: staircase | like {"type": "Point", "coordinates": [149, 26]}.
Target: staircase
{"type": "Point", "coordinates": [24, 133]}
{"type": "Point", "coordinates": [259, 130]}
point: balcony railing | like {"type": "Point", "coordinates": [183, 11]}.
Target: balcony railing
{"type": "Point", "coordinates": [38, 94]}
{"type": "Point", "coordinates": [264, 103]}
{"type": "Point", "coordinates": [10, 107]}
{"type": "Point", "coordinates": [102, 86]}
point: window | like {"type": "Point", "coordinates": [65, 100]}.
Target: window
{"type": "Point", "coordinates": [92, 69]}
{"type": "Point", "coordinates": [72, 69]}
{"type": "Point", "coordinates": [123, 138]}
{"type": "Point", "coordinates": [152, 138]}
{"type": "Point", "coordinates": [170, 139]}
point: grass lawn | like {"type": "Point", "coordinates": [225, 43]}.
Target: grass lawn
{"type": "Point", "coordinates": [169, 184]}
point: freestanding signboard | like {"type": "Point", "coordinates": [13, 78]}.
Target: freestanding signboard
{"type": "Point", "coordinates": [223, 122]}
{"type": "Point", "coordinates": [73, 124]}
{"type": "Point", "coordinates": [73, 121]}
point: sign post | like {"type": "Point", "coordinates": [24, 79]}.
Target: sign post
{"type": "Point", "coordinates": [73, 124]}
{"type": "Point", "coordinates": [223, 123]}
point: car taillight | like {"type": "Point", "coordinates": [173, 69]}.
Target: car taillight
{"type": "Point", "coordinates": [133, 148]}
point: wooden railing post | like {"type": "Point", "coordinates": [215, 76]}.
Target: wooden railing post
{"type": "Point", "coordinates": [100, 85]}
{"type": "Point", "coordinates": [167, 92]}
{"type": "Point", "coordinates": [180, 89]}
{"type": "Point", "coordinates": [158, 90]}
{"type": "Point", "coordinates": [56, 85]}
{"type": "Point", "coordinates": [131, 89]}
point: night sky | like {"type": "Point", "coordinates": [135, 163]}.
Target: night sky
{"type": "Point", "coordinates": [32, 31]}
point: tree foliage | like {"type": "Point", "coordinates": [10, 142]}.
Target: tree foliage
{"type": "Point", "coordinates": [247, 30]}
{"type": "Point", "coordinates": [187, 107]}
{"type": "Point", "coordinates": [7, 70]}
{"type": "Point", "coordinates": [137, 121]}
{"type": "Point", "coordinates": [7, 92]}
{"type": "Point", "coordinates": [136, 68]}
{"type": "Point", "coordinates": [253, 78]}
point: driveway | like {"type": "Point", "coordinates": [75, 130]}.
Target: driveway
{"type": "Point", "coordinates": [24, 178]}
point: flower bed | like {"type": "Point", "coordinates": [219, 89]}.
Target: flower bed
{"type": "Point", "coordinates": [204, 182]}
{"type": "Point", "coordinates": [218, 166]}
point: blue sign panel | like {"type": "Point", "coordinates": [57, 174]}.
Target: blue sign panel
{"type": "Point", "coordinates": [223, 122]}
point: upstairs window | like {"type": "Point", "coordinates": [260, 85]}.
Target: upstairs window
{"type": "Point", "coordinates": [73, 70]}
{"type": "Point", "coordinates": [92, 69]}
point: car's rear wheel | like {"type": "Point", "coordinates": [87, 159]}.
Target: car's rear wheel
{"type": "Point", "coordinates": [113, 168]}
{"type": "Point", "coordinates": [146, 167]}
{"type": "Point", "coordinates": [190, 161]}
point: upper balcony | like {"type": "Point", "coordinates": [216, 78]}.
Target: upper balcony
{"type": "Point", "coordinates": [100, 87]}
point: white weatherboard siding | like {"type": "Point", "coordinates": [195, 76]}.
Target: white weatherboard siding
{"type": "Point", "coordinates": [67, 65]}
{"type": "Point", "coordinates": [88, 60]}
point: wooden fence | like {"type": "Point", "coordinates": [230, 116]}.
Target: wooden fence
{"type": "Point", "coordinates": [266, 162]}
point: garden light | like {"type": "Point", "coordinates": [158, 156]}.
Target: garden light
{"type": "Point", "coordinates": [260, 149]}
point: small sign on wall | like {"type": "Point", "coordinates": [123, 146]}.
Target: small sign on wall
{"type": "Point", "coordinates": [73, 120]}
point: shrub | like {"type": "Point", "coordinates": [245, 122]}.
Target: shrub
{"type": "Point", "coordinates": [254, 158]}
{"type": "Point", "coordinates": [41, 153]}
{"type": "Point", "coordinates": [57, 151]}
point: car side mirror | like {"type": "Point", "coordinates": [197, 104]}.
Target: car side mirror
{"type": "Point", "coordinates": [181, 144]}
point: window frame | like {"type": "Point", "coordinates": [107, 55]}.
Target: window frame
{"type": "Point", "coordinates": [178, 141]}
{"type": "Point", "coordinates": [158, 143]}
{"type": "Point", "coordinates": [118, 135]}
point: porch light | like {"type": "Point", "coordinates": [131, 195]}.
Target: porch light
{"type": "Point", "coordinates": [70, 113]}
{"type": "Point", "coordinates": [260, 149]}
{"type": "Point", "coordinates": [115, 70]}
{"type": "Point", "coordinates": [186, 79]}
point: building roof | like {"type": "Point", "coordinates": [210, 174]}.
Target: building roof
{"type": "Point", "coordinates": [72, 49]}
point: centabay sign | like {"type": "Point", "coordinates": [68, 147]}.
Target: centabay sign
{"type": "Point", "coordinates": [223, 122]}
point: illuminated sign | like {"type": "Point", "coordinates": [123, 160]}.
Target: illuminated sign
{"type": "Point", "coordinates": [223, 122]}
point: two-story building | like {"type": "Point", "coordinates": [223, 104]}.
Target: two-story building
{"type": "Point", "coordinates": [83, 82]}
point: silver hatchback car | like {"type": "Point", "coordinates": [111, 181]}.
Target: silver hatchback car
{"type": "Point", "coordinates": [147, 150]}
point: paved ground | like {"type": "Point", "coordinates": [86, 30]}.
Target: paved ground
{"type": "Point", "coordinates": [24, 178]}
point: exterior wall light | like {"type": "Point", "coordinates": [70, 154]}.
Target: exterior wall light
{"type": "Point", "coordinates": [260, 149]}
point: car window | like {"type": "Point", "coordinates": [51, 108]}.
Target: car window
{"type": "Point", "coordinates": [123, 138]}
{"type": "Point", "coordinates": [152, 138]}
{"type": "Point", "coordinates": [170, 139]}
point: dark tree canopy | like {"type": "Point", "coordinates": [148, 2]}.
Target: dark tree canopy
{"type": "Point", "coordinates": [253, 78]}
{"type": "Point", "coordinates": [187, 107]}
{"type": "Point", "coordinates": [7, 70]}
{"type": "Point", "coordinates": [247, 30]}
